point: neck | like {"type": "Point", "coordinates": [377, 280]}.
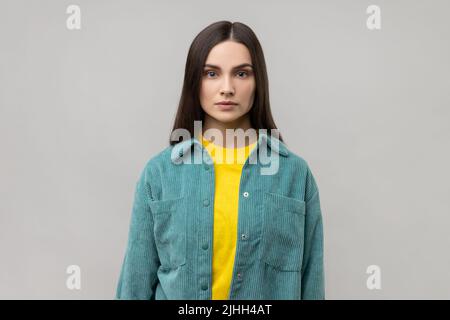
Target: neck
{"type": "Point", "coordinates": [241, 123]}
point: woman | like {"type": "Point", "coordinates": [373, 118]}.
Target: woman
{"type": "Point", "coordinates": [226, 211]}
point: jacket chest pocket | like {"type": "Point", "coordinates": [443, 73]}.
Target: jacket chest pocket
{"type": "Point", "coordinates": [283, 232]}
{"type": "Point", "coordinates": [169, 229]}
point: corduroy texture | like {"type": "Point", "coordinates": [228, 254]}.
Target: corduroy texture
{"type": "Point", "coordinates": [228, 171]}
{"type": "Point", "coordinates": [169, 251]}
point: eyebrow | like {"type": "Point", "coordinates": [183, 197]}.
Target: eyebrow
{"type": "Point", "coordinates": [234, 68]}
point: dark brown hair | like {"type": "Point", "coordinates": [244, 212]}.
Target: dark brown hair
{"type": "Point", "coordinates": [189, 108]}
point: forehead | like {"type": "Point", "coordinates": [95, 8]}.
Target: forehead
{"type": "Point", "coordinates": [228, 54]}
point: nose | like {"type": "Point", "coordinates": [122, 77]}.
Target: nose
{"type": "Point", "coordinates": [227, 87]}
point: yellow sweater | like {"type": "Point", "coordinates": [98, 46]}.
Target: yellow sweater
{"type": "Point", "coordinates": [228, 163]}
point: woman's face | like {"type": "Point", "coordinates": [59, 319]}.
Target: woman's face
{"type": "Point", "coordinates": [227, 76]}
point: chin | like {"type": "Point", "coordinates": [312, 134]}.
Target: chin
{"type": "Point", "coordinates": [226, 118]}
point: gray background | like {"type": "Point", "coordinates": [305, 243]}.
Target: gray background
{"type": "Point", "coordinates": [82, 111]}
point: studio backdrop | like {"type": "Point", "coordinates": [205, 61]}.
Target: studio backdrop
{"type": "Point", "coordinates": [89, 91]}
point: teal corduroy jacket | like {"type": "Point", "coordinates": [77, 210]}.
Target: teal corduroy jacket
{"type": "Point", "coordinates": [279, 250]}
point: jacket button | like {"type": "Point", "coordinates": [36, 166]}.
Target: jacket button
{"type": "Point", "coordinates": [204, 287]}
{"type": "Point", "coordinates": [205, 246]}
{"type": "Point", "coordinates": [205, 202]}
{"type": "Point", "coordinates": [206, 168]}
{"type": "Point", "coordinates": [245, 194]}
{"type": "Point", "coordinates": [244, 236]}
{"type": "Point", "coordinates": [239, 276]}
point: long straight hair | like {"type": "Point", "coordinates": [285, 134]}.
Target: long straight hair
{"type": "Point", "coordinates": [189, 108]}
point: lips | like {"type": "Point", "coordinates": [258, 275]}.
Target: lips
{"type": "Point", "coordinates": [225, 107]}
{"type": "Point", "coordinates": [227, 103]}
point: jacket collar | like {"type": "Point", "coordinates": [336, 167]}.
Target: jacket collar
{"type": "Point", "coordinates": [272, 142]}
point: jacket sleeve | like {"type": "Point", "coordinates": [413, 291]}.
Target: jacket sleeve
{"type": "Point", "coordinates": [138, 276]}
{"type": "Point", "coordinates": [313, 286]}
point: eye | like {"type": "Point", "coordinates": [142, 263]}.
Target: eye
{"type": "Point", "coordinates": [242, 74]}
{"type": "Point", "coordinates": [210, 73]}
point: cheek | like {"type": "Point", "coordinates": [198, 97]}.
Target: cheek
{"type": "Point", "coordinates": [206, 91]}
{"type": "Point", "coordinates": [248, 89]}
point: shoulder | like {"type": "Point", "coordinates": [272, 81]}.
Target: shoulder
{"type": "Point", "coordinates": [150, 176]}
{"type": "Point", "coordinates": [303, 170]}
{"type": "Point", "coordinates": [157, 161]}
{"type": "Point", "coordinates": [297, 160]}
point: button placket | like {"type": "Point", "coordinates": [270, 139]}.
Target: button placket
{"type": "Point", "coordinates": [206, 185]}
